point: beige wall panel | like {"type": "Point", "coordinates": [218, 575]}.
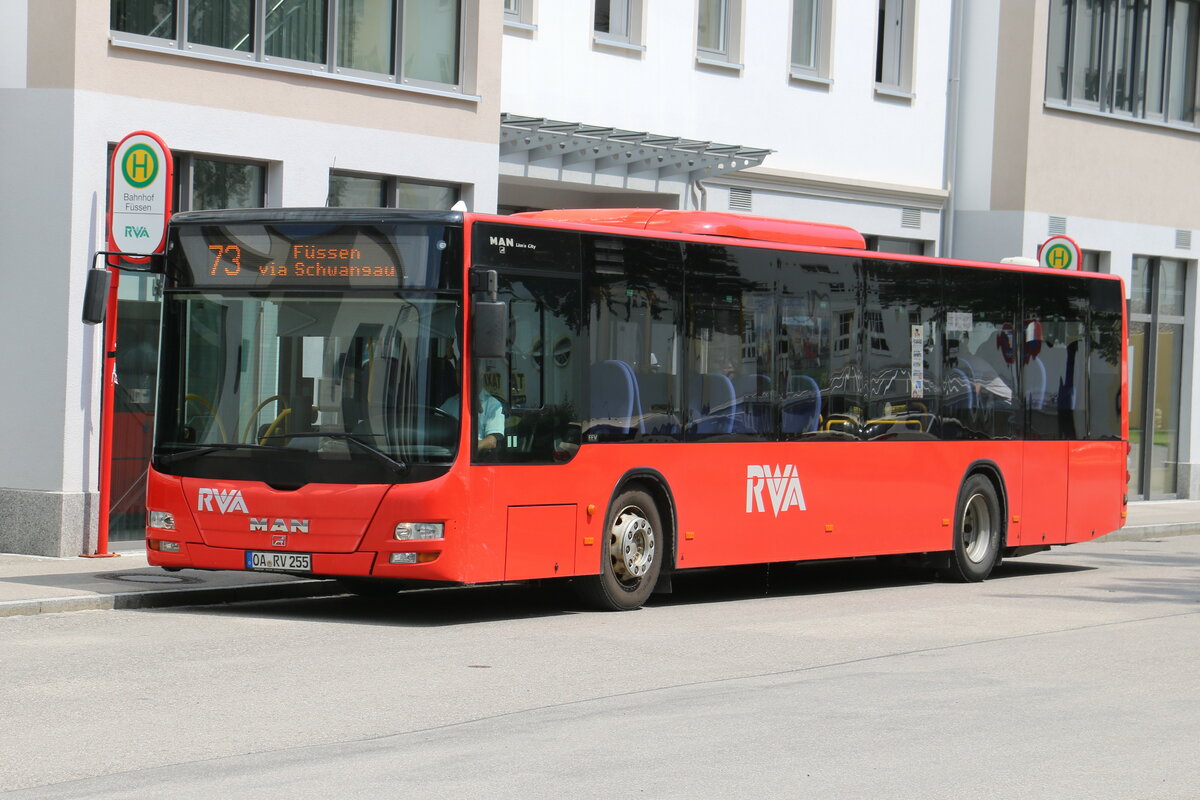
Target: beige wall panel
{"type": "Point", "coordinates": [1014, 74]}
{"type": "Point", "coordinates": [106, 69]}
{"type": "Point", "coordinates": [1087, 166]}
{"type": "Point", "coordinates": [52, 26]}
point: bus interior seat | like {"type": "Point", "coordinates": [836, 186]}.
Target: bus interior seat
{"type": "Point", "coordinates": [656, 390]}
{"type": "Point", "coordinates": [443, 382]}
{"type": "Point", "coordinates": [712, 403]}
{"type": "Point", "coordinates": [1035, 383]}
{"type": "Point", "coordinates": [616, 407]}
{"type": "Point", "coordinates": [755, 401]}
{"type": "Point", "coordinates": [801, 410]}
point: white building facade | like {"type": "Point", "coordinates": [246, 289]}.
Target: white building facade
{"type": "Point", "coordinates": [838, 110]}
{"type": "Point", "coordinates": [935, 127]}
{"type": "Point", "coordinates": [263, 104]}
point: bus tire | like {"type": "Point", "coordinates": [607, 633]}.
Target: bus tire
{"type": "Point", "coordinates": [631, 558]}
{"type": "Point", "coordinates": [978, 531]}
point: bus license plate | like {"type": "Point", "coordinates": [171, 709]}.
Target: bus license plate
{"type": "Point", "coordinates": [288, 562]}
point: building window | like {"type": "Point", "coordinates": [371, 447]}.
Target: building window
{"type": "Point", "coordinates": [811, 36]}
{"type": "Point", "coordinates": [617, 22]}
{"type": "Point", "coordinates": [891, 244]}
{"type": "Point", "coordinates": [207, 183]}
{"type": "Point", "coordinates": [1158, 333]}
{"type": "Point", "coordinates": [718, 32]}
{"type": "Point", "coordinates": [1131, 58]}
{"type": "Point", "coordinates": [519, 14]}
{"type": "Point", "coordinates": [347, 189]}
{"type": "Point", "coordinates": [894, 46]}
{"type": "Point", "coordinates": [1093, 261]}
{"type": "Point", "coordinates": [366, 36]}
{"type": "Point", "coordinates": [407, 42]}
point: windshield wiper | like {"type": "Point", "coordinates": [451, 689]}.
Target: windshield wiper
{"type": "Point", "coordinates": [397, 466]}
{"type": "Point", "coordinates": [175, 458]}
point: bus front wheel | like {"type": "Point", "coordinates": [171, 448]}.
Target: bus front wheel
{"type": "Point", "coordinates": [978, 530]}
{"type": "Point", "coordinates": [631, 556]}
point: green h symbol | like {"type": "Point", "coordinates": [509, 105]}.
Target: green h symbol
{"type": "Point", "coordinates": [140, 166]}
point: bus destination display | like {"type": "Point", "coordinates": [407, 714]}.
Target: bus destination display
{"type": "Point", "coordinates": [304, 261]}
{"type": "Point", "coordinates": [251, 256]}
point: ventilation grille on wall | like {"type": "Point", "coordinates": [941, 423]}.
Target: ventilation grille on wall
{"type": "Point", "coordinates": [740, 199]}
{"type": "Point", "coordinates": [1183, 240]}
{"type": "Point", "coordinates": [910, 218]}
{"type": "Point", "coordinates": [1058, 226]}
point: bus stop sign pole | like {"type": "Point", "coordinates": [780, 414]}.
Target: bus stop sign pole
{"type": "Point", "coordinates": [140, 183]}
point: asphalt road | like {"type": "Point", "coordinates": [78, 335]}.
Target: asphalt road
{"type": "Point", "coordinates": [1070, 674]}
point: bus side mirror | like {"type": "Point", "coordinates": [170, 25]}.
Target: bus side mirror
{"type": "Point", "coordinates": [489, 329]}
{"type": "Point", "coordinates": [95, 296]}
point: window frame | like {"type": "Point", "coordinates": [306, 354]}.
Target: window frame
{"type": "Point", "coordinates": [1152, 61]}
{"type": "Point", "coordinates": [632, 37]}
{"type": "Point", "coordinates": [821, 37]}
{"type": "Point", "coordinates": [729, 54]}
{"type": "Point", "coordinates": [520, 15]}
{"type": "Point", "coordinates": [178, 43]}
{"type": "Point", "coordinates": [393, 183]}
{"type": "Point", "coordinates": [185, 177]}
{"type": "Point", "coordinates": [894, 48]}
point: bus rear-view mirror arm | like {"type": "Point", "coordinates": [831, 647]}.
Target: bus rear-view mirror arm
{"type": "Point", "coordinates": [489, 317]}
{"type": "Point", "coordinates": [99, 279]}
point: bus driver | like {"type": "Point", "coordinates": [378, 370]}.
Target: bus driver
{"type": "Point", "coordinates": [491, 419]}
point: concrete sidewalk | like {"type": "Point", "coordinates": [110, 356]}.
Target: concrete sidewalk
{"type": "Point", "coordinates": [39, 585]}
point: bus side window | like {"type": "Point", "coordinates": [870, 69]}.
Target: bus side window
{"type": "Point", "coordinates": [539, 382]}
{"type": "Point", "coordinates": [1055, 344]}
{"type": "Point", "coordinates": [634, 351]}
{"type": "Point", "coordinates": [903, 350]}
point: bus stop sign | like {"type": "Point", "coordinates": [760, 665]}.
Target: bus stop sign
{"type": "Point", "coordinates": [1060, 252]}
{"type": "Point", "coordinates": [140, 181]}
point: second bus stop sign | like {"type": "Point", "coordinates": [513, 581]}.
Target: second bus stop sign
{"type": "Point", "coordinates": [140, 179]}
{"type": "Point", "coordinates": [1060, 252]}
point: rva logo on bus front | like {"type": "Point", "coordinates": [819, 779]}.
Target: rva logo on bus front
{"type": "Point", "coordinates": [227, 501]}
{"type": "Point", "coordinates": [782, 485]}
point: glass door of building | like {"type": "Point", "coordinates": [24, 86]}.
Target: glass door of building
{"type": "Point", "coordinates": [1156, 337]}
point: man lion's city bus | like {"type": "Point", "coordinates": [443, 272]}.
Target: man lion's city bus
{"type": "Point", "coordinates": [612, 396]}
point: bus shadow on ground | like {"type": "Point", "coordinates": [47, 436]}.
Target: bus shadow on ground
{"type": "Point", "coordinates": [448, 606]}
{"type": "Point", "coordinates": [799, 579]}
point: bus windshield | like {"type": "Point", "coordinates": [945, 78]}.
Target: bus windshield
{"type": "Point", "coordinates": [293, 388]}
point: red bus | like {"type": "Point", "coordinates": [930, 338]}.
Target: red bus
{"type": "Point", "coordinates": [649, 392]}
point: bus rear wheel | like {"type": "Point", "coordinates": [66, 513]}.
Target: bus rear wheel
{"type": "Point", "coordinates": [631, 556]}
{"type": "Point", "coordinates": [978, 531]}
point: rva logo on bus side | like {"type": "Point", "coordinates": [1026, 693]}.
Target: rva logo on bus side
{"type": "Point", "coordinates": [227, 501]}
{"type": "Point", "coordinates": [782, 485]}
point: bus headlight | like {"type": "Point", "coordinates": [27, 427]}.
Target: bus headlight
{"type": "Point", "coordinates": [163, 520]}
{"type": "Point", "coordinates": [409, 531]}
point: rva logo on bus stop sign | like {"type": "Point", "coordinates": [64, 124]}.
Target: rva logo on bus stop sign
{"type": "Point", "coordinates": [140, 194]}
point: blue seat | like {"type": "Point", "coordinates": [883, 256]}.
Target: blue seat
{"type": "Point", "coordinates": [801, 409]}
{"type": "Point", "coordinates": [615, 405]}
{"type": "Point", "coordinates": [712, 403]}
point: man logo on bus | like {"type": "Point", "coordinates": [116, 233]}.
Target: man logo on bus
{"type": "Point", "coordinates": [783, 487]}
{"type": "Point", "coordinates": [227, 501]}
